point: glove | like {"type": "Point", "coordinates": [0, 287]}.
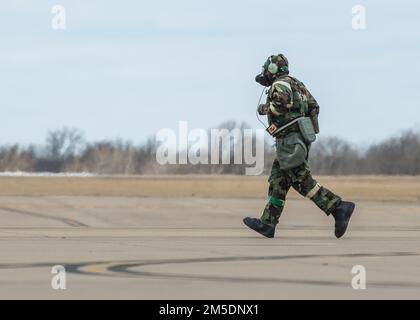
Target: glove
{"type": "Point", "coordinates": [262, 109]}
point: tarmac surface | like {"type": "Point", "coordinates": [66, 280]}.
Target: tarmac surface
{"type": "Point", "coordinates": [197, 248]}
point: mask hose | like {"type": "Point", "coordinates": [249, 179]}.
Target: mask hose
{"type": "Point", "coordinates": [256, 110]}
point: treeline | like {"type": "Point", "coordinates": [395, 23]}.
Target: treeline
{"type": "Point", "coordinates": [394, 156]}
{"type": "Point", "coordinates": [65, 150]}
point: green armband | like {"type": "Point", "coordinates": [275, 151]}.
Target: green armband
{"type": "Point", "coordinates": [275, 201]}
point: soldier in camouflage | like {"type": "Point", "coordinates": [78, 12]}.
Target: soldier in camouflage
{"type": "Point", "coordinates": [288, 100]}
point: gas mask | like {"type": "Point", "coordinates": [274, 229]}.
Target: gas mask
{"type": "Point", "coordinates": [263, 79]}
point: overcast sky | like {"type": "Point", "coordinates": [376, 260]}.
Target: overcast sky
{"type": "Point", "coordinates": [129, 68]}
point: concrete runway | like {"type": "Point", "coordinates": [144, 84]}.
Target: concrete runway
{"type": "Point", "coordinates": [198, 248]}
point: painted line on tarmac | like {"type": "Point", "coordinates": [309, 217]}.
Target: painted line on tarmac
{"type": "Point", "coordinates": [124, 269]}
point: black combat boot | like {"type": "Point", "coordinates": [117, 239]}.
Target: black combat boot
{"type": "Point", "coordinates": [262, 228]}
{"type": "Point", "coordinates": [342, 214]}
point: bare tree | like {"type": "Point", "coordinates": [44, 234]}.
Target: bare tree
{"type": "Point", "coordinates": [334, 156]}
{"type": "Point", "coordinates": [62, 146]}
{"type": "Point", "coordinates": [400, 155]}
{"type": "Point", "coordinates": [14, 158]}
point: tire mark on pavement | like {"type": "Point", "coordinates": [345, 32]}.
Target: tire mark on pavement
{"type": "Point", "coordinates": [70, 222]}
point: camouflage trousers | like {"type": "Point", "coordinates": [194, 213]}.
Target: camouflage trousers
{"type": "Point", "coordinates": [301, 180]}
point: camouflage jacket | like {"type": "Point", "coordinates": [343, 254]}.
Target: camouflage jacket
{"type": "Point", "coordinates": [287, 99]}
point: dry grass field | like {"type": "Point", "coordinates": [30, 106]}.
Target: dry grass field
{"type": "Point", "coordinates": [379, 188]}
{"type": "Point", "coordinates": [181, 237]}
